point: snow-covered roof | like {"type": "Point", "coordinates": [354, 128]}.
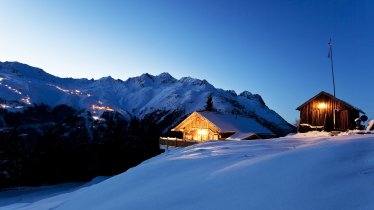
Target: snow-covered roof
{"type": "Point", "coordinates": [242, 126]}
{"type": "Point", "coordinates": [242, 135]}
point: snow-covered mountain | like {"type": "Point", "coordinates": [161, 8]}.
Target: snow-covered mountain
{"type": "Point", "coordinates": [144, 96]}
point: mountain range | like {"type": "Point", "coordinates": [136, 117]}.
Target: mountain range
{"type": "Point", "coordinates": [161, 98]}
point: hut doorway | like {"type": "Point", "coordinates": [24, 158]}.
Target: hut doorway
{"type": "Point", "coordinates": [318, 117]}
{"type": "Point", "coordinates": [342, 122]}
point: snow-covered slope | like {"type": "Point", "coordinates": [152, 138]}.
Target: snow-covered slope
{"type": "Point", "coordinates": [287, 173]}
{"type": "Point", "coordinates": [141, 96]}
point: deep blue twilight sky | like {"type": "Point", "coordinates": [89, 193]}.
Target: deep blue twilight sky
{"type": "Point", "coordinates": [277, 49]}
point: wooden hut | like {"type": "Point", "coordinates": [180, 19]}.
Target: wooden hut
{"type": "Point", "coordinates": [326, 112]}
{"type": "Point", "coordinates": [202, 126]}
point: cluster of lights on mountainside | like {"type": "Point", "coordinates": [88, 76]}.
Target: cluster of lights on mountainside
{"type": "Point", "coordinates": [6, 106]}
{"type": "Point", "coordinates": [73, 92]}
{"type": "Point", "coordinates": [96, 109]}
{"type": "Point", "coordinates": [102, 108]}
{"type": "Point", "coordinates": [24, 99]}
{"type": "Point", "coordinates": [12, 89]}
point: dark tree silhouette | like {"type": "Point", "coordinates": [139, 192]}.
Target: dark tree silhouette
{"type": "Point", "coordinates": [41, 145]}
{"type": "Point", "coordinates": [209, 103]}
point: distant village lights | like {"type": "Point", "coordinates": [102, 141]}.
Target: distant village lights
{"type": "Point", "coordinates": [74, 92]}
{"type": "Point", "coordinates": [105, 108]}
{"type": "Point", "coordinates": [26, 100]}
{"type": "Point", "coordinates": [4, 106]}
{"type": "Point", "coordinates": [96, 118]}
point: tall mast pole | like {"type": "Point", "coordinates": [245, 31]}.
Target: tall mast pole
{"type": "Point", "coordinates": [332, 65]}
{"type": "Point", "coordinates": [333, 82]}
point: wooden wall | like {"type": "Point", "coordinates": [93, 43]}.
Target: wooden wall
{"type": "Point", "coordinates": [314, 115]}
{"type": "Point", "coordinates": [191, 127]}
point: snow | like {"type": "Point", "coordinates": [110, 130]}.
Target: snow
{"type": "Point", "coordinates": [295, 172]}
{"type": "Point", "coordinates": [242, 126]}
{"type": "Point", "coordinates": [22, 196]}
{"type": "Point", "coordinates": [242, 135]}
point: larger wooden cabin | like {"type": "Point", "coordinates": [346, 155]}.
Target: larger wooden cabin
{"type": "Point", "coordinates": [202, 126]}
{"type": "Point", "coordinates": [326, 112]}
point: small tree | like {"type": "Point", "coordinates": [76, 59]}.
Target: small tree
{"type": "Point", "coordinates": [209, 103]}
{"type": "Point", "coordinates": [296, 123]}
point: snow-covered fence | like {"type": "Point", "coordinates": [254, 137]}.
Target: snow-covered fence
{"type": "Point", "coordinates": [175, 142]}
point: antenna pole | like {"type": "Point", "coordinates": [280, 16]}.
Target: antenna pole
{"type": "Point", "coordinates": [332, 65]}
{"type": "Point", "coordinates": [333, 81]}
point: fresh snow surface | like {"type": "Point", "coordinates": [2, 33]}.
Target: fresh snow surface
{"type": "Point", "coordinates": [295, 172]}
{"type": "Point", "coordinates": [22, 196]}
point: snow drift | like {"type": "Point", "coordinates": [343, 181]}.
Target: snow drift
{"type": "Point", "coordinates": [288, 173]}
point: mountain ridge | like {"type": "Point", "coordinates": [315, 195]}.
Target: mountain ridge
{"type": "Point", "coordinates": [141, 97]}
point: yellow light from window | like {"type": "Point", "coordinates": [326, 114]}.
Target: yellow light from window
{"type": "Point", "coordinates": [322, 105]}
{"type": "Point", "coordinates": [201, 132]}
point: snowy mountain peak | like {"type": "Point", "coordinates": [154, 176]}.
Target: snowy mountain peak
{"type": "Point", "coordinates": [254, 97]}
{"type": "Point", "coordinates": [195, 82]}
{"type": "Point", "coordinates": [108, 78]}
{"type": "Point", "coordinates": [144, 96]}
{"type": "Point", "coordinates": [166, 78]}
{"type": "Point", "coordinates": [146, 77]}
{"type": "Point", "coordinates": [24, 70]}
{"type": "Point", "coordinates": [189, 80]}
{"type": "Point", "coordinates": [231, 92]}
{"type": "Point", "coordinates": [246, 94]}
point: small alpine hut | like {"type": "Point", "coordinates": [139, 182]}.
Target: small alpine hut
{"type": "Point", "coordinates": [205, 125]}
{"type": "Point", "coordinates": [328, 113]}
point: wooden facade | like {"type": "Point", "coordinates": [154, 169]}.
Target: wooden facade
{"type": "Point", "coordinates": [197, 128]}
{"type": "Point", "coordinates": [328, 113]}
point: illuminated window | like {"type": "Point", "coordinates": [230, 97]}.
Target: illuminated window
{"type": "Point", "coordinates": [322, 105]}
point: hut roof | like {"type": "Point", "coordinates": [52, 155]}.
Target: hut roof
{"type": "Point", "coordinates": [241, 125]}
{"type": "Point", "coordinates": [329, 95]}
